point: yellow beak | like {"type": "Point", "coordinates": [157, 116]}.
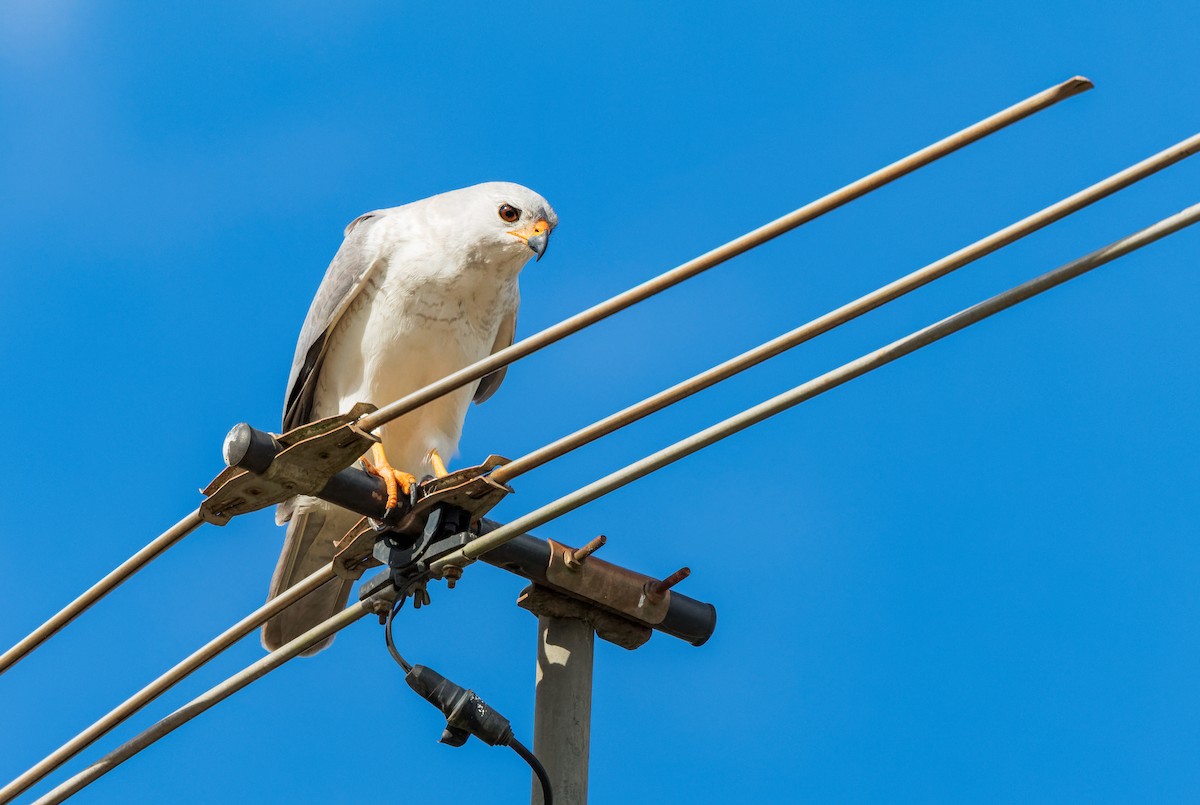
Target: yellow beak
{"type": "Point", "coordinates": [536, 237]}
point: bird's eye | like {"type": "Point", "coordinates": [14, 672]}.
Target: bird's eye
{"type": "Point", "coordinates": [509, 213]}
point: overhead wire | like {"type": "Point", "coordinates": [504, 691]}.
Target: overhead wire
{"type": "Point", "coordinates": [73, 610]}
{"type": "Point", "coordinates": [208, 699]}
{"type": "Point", "coordinates": [165, 682]}
{"type": "Point", "coordinates": [806, 391]}
{"type": "Point", "coordinates": [612, 423]}
{"type": "Point", "coordinates": [390, 641]}
{"type": "Point", "coordinates": [849, 311]}
{"type": "Point", "coordinates": [639, 469]}
{"type": "Point", "coordinates": [831, 201]}
{"type": "Point", "coordinates": [739, 245]}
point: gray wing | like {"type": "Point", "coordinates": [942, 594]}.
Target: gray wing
{"type": "Point", "coordinates": [351, 269]}
{"type": "Point", "coordinates": [504, 338]}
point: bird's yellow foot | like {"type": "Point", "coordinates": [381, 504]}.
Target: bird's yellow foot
{"type": "Point", "coordinates": [435, 461]}
{"type": "Point", "coordinates": [396, 481]}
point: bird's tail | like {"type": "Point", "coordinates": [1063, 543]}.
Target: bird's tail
{"type": "Point", "coordinates": [308, 547]}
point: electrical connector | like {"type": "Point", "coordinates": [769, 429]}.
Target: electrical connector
{"type": "Point", "coordinates": [466, 714]}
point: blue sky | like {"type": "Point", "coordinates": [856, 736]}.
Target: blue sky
{"type": "Point", "coordinates": [969, 576]}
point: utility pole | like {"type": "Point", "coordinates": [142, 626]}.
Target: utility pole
{"type": "Point", "coordinates": [562, 719]}
{"type": "Point", "coordinates": [608, 601]}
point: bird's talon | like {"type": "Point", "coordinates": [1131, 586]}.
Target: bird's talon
{"type": "Point", "coordinates": [394, 481]}
{"type": "Point", "coordinates": [435, 461]}
{"type": "Point", "coordinates": [404, 480]}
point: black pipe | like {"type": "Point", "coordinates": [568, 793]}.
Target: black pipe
{"type": "Point", "coordinates": [251, 449]}
{"type": "Point", "coordinates": [528, 556]}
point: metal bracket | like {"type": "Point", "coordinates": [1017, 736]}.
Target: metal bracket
{"type": "Point", "coordinates": [311, 455]}
{"type": "Point", "coordinates": [352, 554]}
{"type": "Point", "coordinates": [468, 490]}
{"type": "Point", "coordinates": [314, 459]}
{"type": "Point", "coordinates": [408, 565]}
{"type": "Point", "coordinates": [531, 558]}
{"type": "Point", "coordinates": [616, 629]}
{"type": "Point", "coordinates": [613, 587]}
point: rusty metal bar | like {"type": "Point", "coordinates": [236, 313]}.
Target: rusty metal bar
{"type": "Point", "coordinates": [100, 589]}
{"type": "Point", "coordinates": [576, 557]}
{"type": "Point", "coordinates": [849, 311]}
{"type": "Point", "coordinates": [815, 387]}
{"type": "Point", "coordinates": [658, 589]}
{"type": "Point", "coordinates": [750, 240]}
{"type": "Point", "coordinates": [164, 683]}
{"type": "Point", "coordinates": [552, 566]}
{"type": "Point", "coordinates": [206, 700]}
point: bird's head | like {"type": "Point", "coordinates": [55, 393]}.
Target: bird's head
{"type": "Point", "coordinates": [508, 217]}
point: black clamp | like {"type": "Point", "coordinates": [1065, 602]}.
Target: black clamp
{"type": "Point", "coordinates": [408, 558]}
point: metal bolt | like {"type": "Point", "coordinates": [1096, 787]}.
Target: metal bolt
{"type": "Point", "coordinates": [659, 588]}
{"type": "Point", "coordinates": [451, 573]}
{"type": "Point", "coordinates": [574, 559]}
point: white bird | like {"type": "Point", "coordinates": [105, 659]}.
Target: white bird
{"type": "Point", "coordinates": [414, 293]}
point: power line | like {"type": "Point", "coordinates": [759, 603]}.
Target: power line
{"type": "Point", "coordinates": [849, 311]}
{"type": "Point", "coordinates": [164, 683]}
{"type": "Point", "coordinates": [815, 387]}
{"type": "Point", "coordinates": [733, 248]}
{"type": "Point", "coordinates": [208, 699]}
{"type": "Point", "coordinates": [1032, 105]}
{"type": "Point", "coordinates": [609, 424]}
{"type": "Point", "coordinates": [635, 471]}
{"type": "Point", "coordinates": [101, 588]}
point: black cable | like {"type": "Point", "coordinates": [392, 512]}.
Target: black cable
{"type": "Point", "coordinates": [387, 634]}
{"type": "Point", "coordinates": [487, 725]}
{"type": "Point", "coordinates": [538, 769]}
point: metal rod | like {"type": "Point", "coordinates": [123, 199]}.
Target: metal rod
{"type": "Point", "coordinates": [662, 282]}
{"type": "Point", "coordinates": [813, 388]}
{"type": "Point", "coordinates": [575, 558]}
{"type": "Point", "coordinates": [657, 589]}
{"type": "Point", "coordinates": [100, 589]}
{"type": "Point", "coordinates": [849, 311]}
{"type": "Point", "coordinates": [163, 683]}
{"type": "Point", "coordinates": [206, 700]}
